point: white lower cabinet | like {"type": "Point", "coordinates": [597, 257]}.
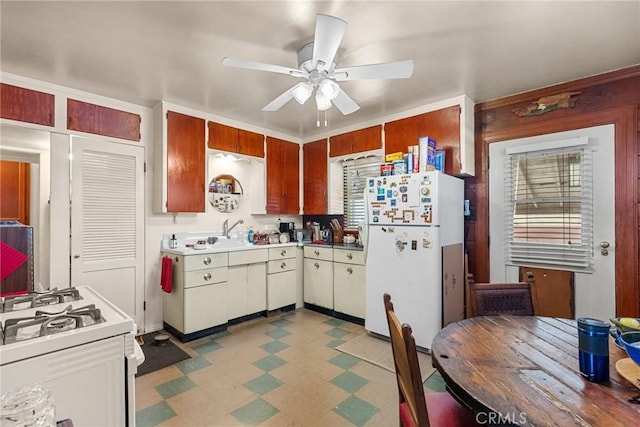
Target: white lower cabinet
{"type": "Point", "coordinates": [349, 284]}
{"type": "Point", "coordinates": [247, 282]}
{"type": "Point", "coordinates": [281, 278]}
{"type": "Point", "coordinates": [318, 276]}
{"type": "Point", "coordinates": [198, 299]}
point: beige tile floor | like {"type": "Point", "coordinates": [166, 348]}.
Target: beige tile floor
{"type": "Point", "coordinates": [276, 371]}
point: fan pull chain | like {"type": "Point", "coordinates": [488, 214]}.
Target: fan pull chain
{"type": "Point", "coordinates": [325, 118]}
{"type": "Point", "coordinates": [317, 118]}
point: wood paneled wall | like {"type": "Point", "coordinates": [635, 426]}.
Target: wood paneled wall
{"type": "Point", "coordinates": [604, 99]}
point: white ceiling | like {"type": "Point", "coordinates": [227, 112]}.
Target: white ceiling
{"type": "Point", "coordinates": [143, 52]}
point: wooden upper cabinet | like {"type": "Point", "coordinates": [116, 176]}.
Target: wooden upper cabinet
{"type": "Point", "coordinates": [99, 120]}
{"type": "Point", "coordinates": [26, 105]}
{"type": "Point", "coordinates": [228, 138]}
{"type": "Point", "coordinates": [283, 177]}
{"type": "Point", "coordinates": [441, 125]}
{"type": "Point", "coordinates": [356, 142]}
{"type": "Point", "coordinates": [185, 163]}
{"type": "Point", "coordinates": [444, 127]}
{"type": "Point", "coordinates": [314, 156]}
{"type": "Point", "coordinates": [399, 134]}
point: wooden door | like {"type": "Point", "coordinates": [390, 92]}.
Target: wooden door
{"type": "Point", "coordinates": [185, 163]}
{"type": "Point", "coordinates": [555, 290]}
{"type": "Point", "coordinates": [14, 191]}
{"type": "Point", "coordinates": [340, 145]}
{"type": "Point", "coordinates": [222, 137]}
{"type": "Point", "coordinates": [444, 127]}
{"type": "Point", "coordinates": [367, 139]}
{"type": "Point", "coordinates": [315, 177]}
{"type": "Point", "coordinates": [291, 183]}
{"type": "Point", "coordinates": [275, 174]}
{"type": "Point", "coordinates": [26, 105]}
{"type": "Point", "coordinates": [399, 134]}
{"type": "Point", "coordinates": [99, 120]}
{"type": "Point", "coordinates": [250, 143]}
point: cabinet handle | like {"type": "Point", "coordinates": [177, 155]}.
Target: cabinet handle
{"type": "Point", "coordinates": [283, 265]}
{"type": "Point", "coordinates": [207, 276]}
{"type": "Point", "coordinates": [349, 270]}
{"type": "Point", "coordinates": [316, 265]}
{"type": "Point", "coordinates": [284, 252]}
{"type": "Point", "coordinates": [207, 261]}
{"type": "Point", "coordinates": [349, 255]}
{"type": "Point", "coordinates": [317, 252]}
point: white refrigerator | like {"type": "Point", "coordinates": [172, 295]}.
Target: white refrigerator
{"type": "Point", "coordinates": [414, 247]}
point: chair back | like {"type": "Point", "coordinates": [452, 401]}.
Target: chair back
{"type": "Point", "coordinates": [405, 357]}
{"type": "Point", "coordinates": [490, 299]}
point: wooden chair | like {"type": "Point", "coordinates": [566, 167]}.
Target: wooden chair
{"type": "Point", "coordinates": [416, 407]}
{"type": "Point", "coordinates": [491, 299]}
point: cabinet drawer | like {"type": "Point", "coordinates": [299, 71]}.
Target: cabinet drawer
{"type": "Point", "coordinates": [280, 265]}
{"type": "Point", "coordinates": [282, 253]}
{"type": "Point", "coordinates": [316, 252]}
{"type": "Point", "coordinates": [248, 257]}
{"type": "Point", "coordinates": [196, 278]}
{"type": "Point", "coordinates": [348, 256]}
{"type": "Point", "coordinates": [197, 262]}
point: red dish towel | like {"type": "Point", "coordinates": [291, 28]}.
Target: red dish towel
{"type": "Point", "coordinates": [166, 278]}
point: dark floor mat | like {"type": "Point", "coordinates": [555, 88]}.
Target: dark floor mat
{"type": "Point", "coordinates": [158, 356]}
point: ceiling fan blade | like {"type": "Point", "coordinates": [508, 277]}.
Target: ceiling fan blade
{"type": "Point", "coordinates": [345, 104]}
{"type": "Point", "coordinates": [281, 99]}
{"type": "Point", "coordinates": [261, 66]}
{"type": "Point", "coordinates": [387, 70]}
{"type": "Point", "coordinates": [329, 33]}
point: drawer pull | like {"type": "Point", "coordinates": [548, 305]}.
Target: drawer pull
{"type": "Point", "coordinates": [207, 261]}
{"type": "Point", "coordinates": [284, 252]}
{"type": "Point", "coordinates": [316, 265]}
{"type": "Point", "coordinates": [349, 255]}
{"type": "Point", "coordinates": [349, 270]}
{"type": "Point", "coordinates": [283, 265]}
{"type": "Point", "coordinates": [207, 276]}
{"type": "Point", "coordinates": [317, 252]}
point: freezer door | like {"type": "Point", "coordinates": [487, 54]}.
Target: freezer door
{"type": "Point", "coordinates": [405, 262]}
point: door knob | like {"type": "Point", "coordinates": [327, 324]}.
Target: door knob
{"type": "Point", "coordinates": [604, 245]}
{"type": "Point", "coordinates": [76, 256]}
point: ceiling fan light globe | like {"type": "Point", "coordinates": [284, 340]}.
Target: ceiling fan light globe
{"type": "Point", "coordinates": [302, 92]}
{"type": "Point", "coordinates": [322, 102]}
{"type": "Point", "coordinates": [329, 88]}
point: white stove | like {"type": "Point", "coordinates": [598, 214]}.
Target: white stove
{"type": "Point", "coordinates": [78, 344]}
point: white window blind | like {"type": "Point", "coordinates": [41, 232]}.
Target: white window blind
{"type": "Point", "coordinates": [549, 212]}
{"type": "Point", "coordinates": [354, 174]}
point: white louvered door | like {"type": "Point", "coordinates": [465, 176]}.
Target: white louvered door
{"type": "Point", "coordinates": [107, 221]}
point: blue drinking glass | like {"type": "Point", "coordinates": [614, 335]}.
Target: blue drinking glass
{"type": "Point", "coordinates": [593, 349]}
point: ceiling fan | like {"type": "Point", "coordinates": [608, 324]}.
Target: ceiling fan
{"type": "Point", "coordinates": [317, 67]}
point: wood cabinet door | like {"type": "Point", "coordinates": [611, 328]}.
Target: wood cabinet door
{"type": "Point", "coordinates": [15, 191]}
{"type": "Point", "coordinates": [250, 143]}
{"type": "Point", "coordinates": [315, 177]}
{"type": "Point", "coordinates": [223, 137]}
{"type": "Point", "coordinates": [185, 163]}
{"type": "Point", "coordinates": [283, 180]}
{"type": "Point", "coordinates": [367, 139]}
{"type": "Point", "coordinates": [275, 174]}
{"type": "Point", "coordinates": [26, 105]}
{"type": "Point", "coordinates": [444, 127]}
{"type": "Point", "coordinates": [399, 134]}
{"type": "Point", "coordinates": [291, 183]}
{"type": "Point", "coordinates": [99, 120]}
{"type": "Point", "coordinates": [339, 145]}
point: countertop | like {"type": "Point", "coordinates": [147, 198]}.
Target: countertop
{"type": "Point", "coordinates": [217, 248]}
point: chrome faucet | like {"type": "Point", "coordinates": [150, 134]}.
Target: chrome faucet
{"type": "Point", "coordinates": [226, 229]}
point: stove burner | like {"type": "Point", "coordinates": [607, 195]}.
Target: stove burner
{"type": "Point", "coordinates": [46, 323]}
{"type": "Point", "coordinates": [39, 299]}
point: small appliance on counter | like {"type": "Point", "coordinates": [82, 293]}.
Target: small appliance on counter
{"type": "Point", "coordinates": [288, 228]}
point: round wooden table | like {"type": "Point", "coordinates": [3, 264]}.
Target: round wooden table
{"type": "Point", "coordinates": [520, 370]}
